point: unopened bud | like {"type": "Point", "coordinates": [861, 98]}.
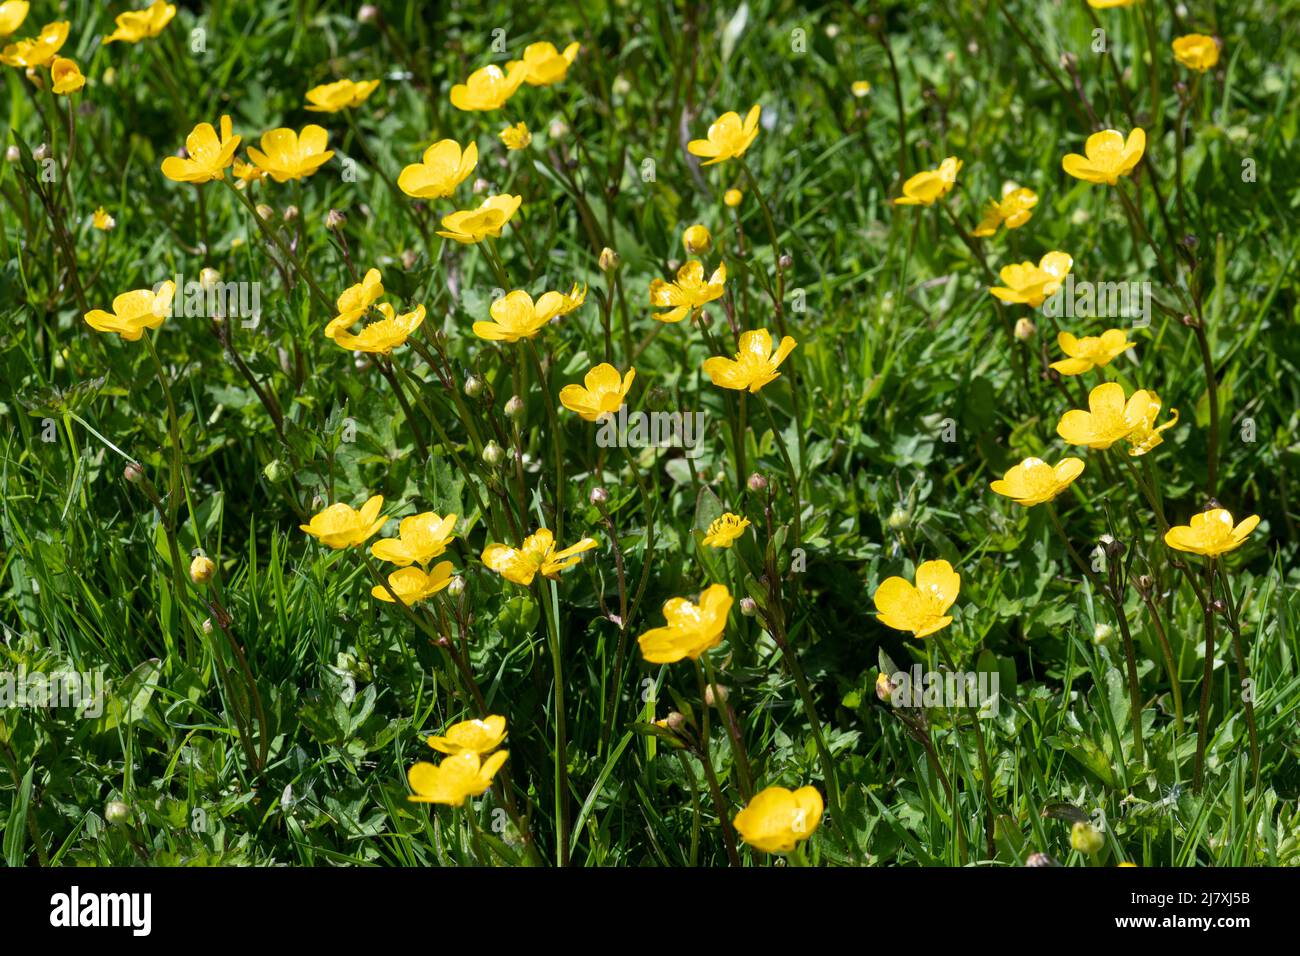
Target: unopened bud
{"type": "Point", "coordinates": [456, 586]}
{"type": "Point", "coordinates": [409, 258]}
{"type": "Point", "coordinates": [598, 496]}
{"type": "Point", "coordinates": [515, 407]}
{"type": "Point", "coordinates": [493, 454]}
{"type": "Point", "coordinates": [473, 386]}
{"type": "Point", "coordinates": [1086, 838]}
{"type": "Point", "coordinates": [1025, 329]}
{"type": "Point", "coordinates": [201, 569]}
{"type": "Point", "coordinates": [714, 693]}
{"type": "Point", "coordinates": [696, 239]}
{"type": "Point", "coordinates": [133, 473]}
{"type": "Point", "coordinates": [116, 812]}
{"type": "Point", "coordinates": [748, 606]}
{"type": "Point", "coordinates": [12, 154]}
{"type": "Point", "coordinates": [263, 211]}
{"type": "Point", "coordinates": [1102, 633]}
{"type": "Point", "coordinates": [41, 152]}
{"type": "Point", "coordinates": [756, 483]}
{"type": "Point", "coordinates": [290, 213]}
{"type": "Point", "coordinates": [1040, 859]}
{"type": "Point", "coordinates": [786, 260]}
{"type": "Point", "coordinates": [675, 720]}
{"type": "Point", "coordinates": [275, 471]}
{"type": "Point", "coordinates": [900, 519]}
{"type": "Point", "coordinates": [335, 219]}
{"type": "Point", "coordinates": [885, 687]}
{"type": "Point", "coordinates": [608, 260]}
{"type": "Point", "coordinates": [368, 13]}
{"type": "Point", "coordinates": [209, 277]}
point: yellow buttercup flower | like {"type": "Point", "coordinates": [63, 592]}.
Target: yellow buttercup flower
{"type": "Point", "coordinates": [1012, 210]}
{"type": "Point", "coordinates": [924, 189]}
{"type": "Point", "coordinates": [40, 49]}
{"type": "Point", "coordinates": [723, 532]}
{"type": "Point", "coordinates": [515, 316]}
{"type": "Point", "coordinates": [339, 526]}
{"type": "Point", "coordinates": [457, 778]}
{"type": "Point", "coordinates": [390, 331]}
{"type": "Point", "coordinates": [286, 154]}
{"type": "Point", "coordinates": [412, 585]}
{"type": "Point", "coordinates": [602, 392]}
{"type": "Point", "coordinates": [1196, 51]}
{"type": "Point", "coordinates": [544, 64]}
{"type": "Point", "coordinates": [860, 88]}
{"type": "Point", "coordinates": [471, 736]}
{"type": "Point", "coordinates": [1091, 351]}
{"type": "Point", "coordinates": [355, 301]}
{"type": "Point", "coordinates": [1034, 481]}
{"type": "Point", "coordinates": [12, 15]}
{"type": "Point", "coordinates": [516, 137]}
{"type": "Point", "coordinates": [246, 173]}
{"type": "Point", "coordinates": [1210, 533]}
{"type": "Point", "coordinates": [475, 225]}
{"type": "Point", "coordinates": [136, 25]}
{"type": "Point", "coordinates": [923, 608]}
{"type": "Point", "coordinates": [537, 553]}
{"type": "Point", "coordinates": [696, 239]}
{"type": "Point", "coordinates": [1030, 284]}
{"type": "Point", "coordinates": [135, 311]}
{"type": "Point", "coordinates": [444, 167]}
{"type": "Point", "coordinates": [207, 155]}
{"type": "Point", "coordinates": [728, 137]}
{"type": "Point", "coordinates": [689, 293]}
{"type": "Point", "coordinates": [66, 76]}
{"type": "Point", "coordinates": [692, 629]}
{"type": "Point", "coordinates": [1145, 434]}
{"type": "Point", "coordinates": [420, 539]}
{"type": "Point", "coordinates": [1110, 4]}
{"type": "Point", "coordinates": [1109, 156]}
{"type": "Point", "coordinates": [488, 88]}
{"type": "Point", "coordinates": [777, 818]}
{"type": "Point", "coordinates": [102, 220]}
{"type": "Point", "coordinates": [754, 365]}
{"type": "Point", "coordinates": [733, 198]}
{"type": "Point", "coordinates": [1108, 419]}
{"type": "Point", "coordinates": [339, 95]}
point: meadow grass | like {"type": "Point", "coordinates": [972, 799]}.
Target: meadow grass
{"type": "Point", "coordinates": [271, 715]}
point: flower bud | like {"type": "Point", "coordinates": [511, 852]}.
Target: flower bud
{"type": "Point", "coordinates": [599, 496]}
{"type": "Point", "coordinates": [334, 219]}
{"type": "Point", "coordinates": [263, 211]}
{"type": "Point", "coordinates": [41, 152]}
{"type": "Point", "coordinates": [675, 720]}
{"type": "Point", "coordinates": [714, 693]}
{"type": "Point", "coordinates": [1102, 633]}
{"type": "Point", "coordinates": [786, 260]}
{"type": "Point", "coordinates": [133, 473]}
{"type": "Point", "coordinates": [748, 606]}
{"type": "Point", "coordinates": [609, 260]}
{"type": "Point", "coordinates": [275, 471]}
{"type": "Point", "coordinates": [1086, 838]}
{"type": "Point", "coordinates": [409, 258]}
{"type": "Point", "coordinates": [207, 625]}
{"type": "Point", "coordinates": [515, 407]}
{"type": "Point", "coordinates": [885, 687]}
{"type": "Point", "coordinates": [368, 13]}
{"type": "Point", "coordinates": [900, 519]}
{"type": "Point", "coordinates": [290, 213]}
{"type": "Point", "coordinates": [733, 197]}
{"type": "Point", "coordinates": [756, 483]}
{"type": "Point", "coordinates": [473, 386]}
{"type": "Point", "coordinates": [696, 239]}
{"type": "Point", "coordinates": [201, 569]}
{"type": "Point", "coordinates": [209, 277]}
{"type": "Point", "coordinates": [1039, 859]}
{"type": "Point", "coordinates": [116, 812]}
{"type": "Point", "coordinates": [456, 586]}
{"type": "Point", "coordinates": [493, 454]}
{"type": "Point", "coordinates": [480, 186]}
{"type": "Point", "coordinates": [12, 154]}
{"type": "Point", "coordinates": [1025, 329]}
